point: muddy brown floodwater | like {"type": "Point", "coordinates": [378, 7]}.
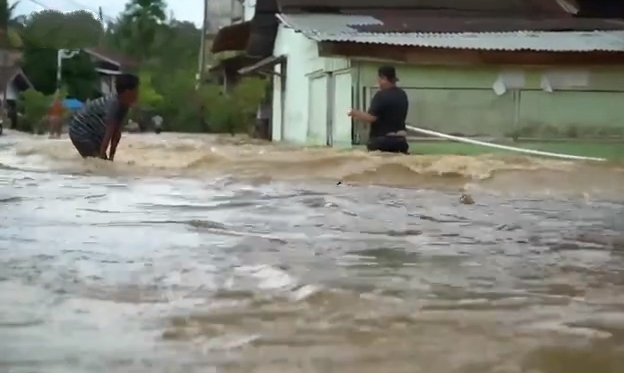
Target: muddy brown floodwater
{"type": "Point", "coordinates": [204, 254]}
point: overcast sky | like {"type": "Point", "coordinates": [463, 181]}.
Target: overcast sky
{"type": "Point", "coordinates": [187, 10]}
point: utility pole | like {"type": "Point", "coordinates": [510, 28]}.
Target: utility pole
{"type": "Point", "coordinates": [202, 47]}
{"type": "Point", "coordinates": [61, 55]}
{"type": "Point", "coordinates": [101, 18]}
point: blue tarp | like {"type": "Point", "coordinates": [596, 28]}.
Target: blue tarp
{"type": "Point", "coordinates": [72, 104]}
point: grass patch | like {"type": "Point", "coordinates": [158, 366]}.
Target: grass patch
{"type": "Point", "coordinates": [611, 151]}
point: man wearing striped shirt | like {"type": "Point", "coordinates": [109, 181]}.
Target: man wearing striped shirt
{"type": "Point", "coordinates": [98, 125]}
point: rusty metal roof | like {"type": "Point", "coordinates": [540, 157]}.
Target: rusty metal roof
{"type": "Point", "coordinates": [506, 6]}
{"type": "Point", "coordinates": [331, 24]}
{"type": "Point", "coordinates": [348, 28]}
{"type": "Point", "coordinates": [232, 37]}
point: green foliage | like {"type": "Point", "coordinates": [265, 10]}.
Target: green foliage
{"type": "Point", "coordinates": [14, 39]}
{"type": "Point", "coordinates": [137, 27]}
{"type": "Point", "coordinates": [209, 109]}
{"type": "Point", "coordinates": [167, 50]}
{"type": "Point", "coordinates": [245, 99]}
{"type": "Point", "coordinates": [78, 73]}
{"type": "Point", "coordinates": [8, 35]}
{"type": "Point", "coordinates": [143, 32]}
{"type": "Point", "coordinates": [34, 106]}
{"type": "Point", "coordinates": [180, 108]}
{"type": "Point", "coordinates": [176, 45]}
{"type": "Point", "coordinates": [6, 13]}
{"type": "Point", "coordinates": [148, 96]}
{"type": "Point", "coordinates": [58, 30]}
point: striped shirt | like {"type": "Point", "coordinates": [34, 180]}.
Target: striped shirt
{"type": "Point", "coordinates": [89, 123]}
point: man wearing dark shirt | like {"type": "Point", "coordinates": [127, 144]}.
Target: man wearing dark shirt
{"type": "Point", "coordinates": [386, 115]}
{"type": "Point", "coordinates": [98, 125]}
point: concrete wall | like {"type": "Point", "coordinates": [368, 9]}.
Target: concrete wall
{"type": "Point", "coordinates": [249, 9]}
{"type": "Point", "coordinates": [583, 102]}
{"type": "Point", "coordinates": [313, 108]}
{"type": "Point", "coordinates": [107, 83]}
{"type": "Point", "coordinates": [11, 91]}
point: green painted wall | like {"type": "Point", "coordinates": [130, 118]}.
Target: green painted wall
{"type": "Point", "coordinates": [461, 100]}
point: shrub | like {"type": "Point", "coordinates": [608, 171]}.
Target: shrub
{"type": "Point", "coordinates": [182, 101]}
{"type": "Point", "coordinates": [34, 106]}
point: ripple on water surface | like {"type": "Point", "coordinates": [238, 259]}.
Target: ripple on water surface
{"type": "Point", "coordinates": [126, 271]}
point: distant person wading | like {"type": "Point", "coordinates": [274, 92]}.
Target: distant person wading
{"type": "Point", "coordinates": [55, 116]}
{"type": "Point", "coordinates": [386, 115]}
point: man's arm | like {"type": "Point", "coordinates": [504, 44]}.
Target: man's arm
{"type": "Point", "coordinates": [115, 142]}
{"type": "Point", "coordinates": [114, 116]}
{"type": "Point", "coordinates": [110, 131]}
{"type": "Point", "coordinates": [363, 116]}
{"type": "Point", "coordinates": [373, 110]}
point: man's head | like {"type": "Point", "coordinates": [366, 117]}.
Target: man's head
{"type": "Point", "coordinates": [127, 87]}
{"type": "Point", "coordinates": [386, 77]}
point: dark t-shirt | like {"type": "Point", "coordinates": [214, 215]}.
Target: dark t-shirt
{"type": "Point", "coordinates": [390, 107]}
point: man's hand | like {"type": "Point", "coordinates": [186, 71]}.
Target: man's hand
{"type": "Point", "coordinates": [360, 115]}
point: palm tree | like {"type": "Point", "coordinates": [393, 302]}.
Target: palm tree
{"type": "Point", "coordinates": [145, 16]}
{"type": "Point", "coordinates": [9, 37]}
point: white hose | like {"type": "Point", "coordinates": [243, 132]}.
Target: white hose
{"type": "Point", "coordinates": [503, 147]}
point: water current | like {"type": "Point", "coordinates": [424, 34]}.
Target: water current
{"type": "Point", "coordinates": [216, 254]}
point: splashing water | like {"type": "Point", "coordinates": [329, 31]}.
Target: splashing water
{"type": "Point", "coordinates": [219, 254]}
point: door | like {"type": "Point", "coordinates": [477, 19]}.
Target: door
{"type": "Point", "coordinates": [330, 94]}
{"type": "Point", "coordinates": [341, 102]}
{"type": "Point", "coordinates": [317, 110]}
{"type": "Point", "coordinates": [283, 70]}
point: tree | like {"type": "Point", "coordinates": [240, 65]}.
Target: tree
{"type": "Point", "coordinates": [78, 73]}
{"type": "Point", "coordinates": [44, 33]}
{"type": "Point", "coordinates": [9, 37]}
{"type": "Point", "coordinates": [176, 45]}
{"type": "Point", "coordinates": [139, 23]}
{"type": "Point", "coordinates": [58, 30]}
{"type": "Point", "coordinates": [148, 96]}
{"type": "Point", "coordinates": [34, 105]}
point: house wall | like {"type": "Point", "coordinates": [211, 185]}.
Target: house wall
{"type": "Point", "coordinates": [317, 94]}
{"type": "Point", "coordinates": [11, 90]}
{"type": "Point", "coordinates": [461, 100]}
{"type": "Point", "coordinates": [107, 83]}
{"type": "Point", "coordinates": [9, 57]}
{"type": "Point", "coordinates": [249, 9]}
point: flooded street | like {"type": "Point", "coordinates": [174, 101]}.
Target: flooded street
{"type": "Point", "coordinates": [195, 254]}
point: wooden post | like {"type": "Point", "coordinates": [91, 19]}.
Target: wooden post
{"type": "Point", "coordinates": [4, 67]}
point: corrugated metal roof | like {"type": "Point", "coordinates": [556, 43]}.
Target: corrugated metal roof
{"type": "Point", "coordinates": [338, 28]}
{"type": "Point", "coordinates": [611, 41]}
{"type": "Point", "coordinates": [450, 21]}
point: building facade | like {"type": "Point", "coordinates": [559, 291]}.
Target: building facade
{"type": "Point", "coordinates": [311, 94]}
{"type": "Point", "coordinates": [494, 73]}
